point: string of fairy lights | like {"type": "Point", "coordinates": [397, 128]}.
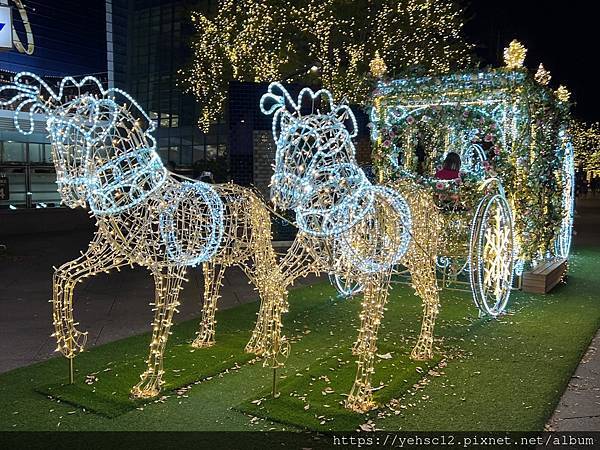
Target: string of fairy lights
{"type": "Point", "coordinates": [514, 120]}
{"type": "Point", "coordinates": [586, 143]}
{"type": "Point", "coordinates": [263, 40]}
{"type": "Point", "coordinates": [349, 227]}
{"type": "Point", "coordinates": [105, 157]}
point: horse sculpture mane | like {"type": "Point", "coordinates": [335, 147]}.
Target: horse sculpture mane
{"type": "Point", "coordinates": [112, 144]}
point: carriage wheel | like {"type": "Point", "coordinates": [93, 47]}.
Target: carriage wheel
{"type": "Point", "coordinates": [491, 249]}
{"type": "Point", "coordinates": [562, 244]}
{"type": "Point", "coordinates": [345, 287]}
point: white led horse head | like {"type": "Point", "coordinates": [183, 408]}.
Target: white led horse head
{"type": "Point", "coordinates": [104, 154]}
{"type": "Point", "coordinates": [315, 167]}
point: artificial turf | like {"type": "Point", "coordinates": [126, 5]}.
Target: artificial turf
{"type": "Point", "coordinates": [505, 374]}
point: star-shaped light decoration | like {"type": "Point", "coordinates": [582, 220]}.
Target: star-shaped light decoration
{"type": "Point", "coordinates": [377, 66]}
{"type": "Point", "coordinates": [563, 94]}
{"type": "Point", "coordinates": [514, 55]}
{"type": "Point", "coordinates": [542, 75]}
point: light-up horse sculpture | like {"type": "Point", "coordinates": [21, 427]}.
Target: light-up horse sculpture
{"type": "Point", "coordinates": [105, 159]}
{"type": "Point", "coordinates": [348, 226]}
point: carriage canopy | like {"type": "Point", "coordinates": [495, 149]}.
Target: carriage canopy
{"type": "Point", "coordinates": [503, 123]}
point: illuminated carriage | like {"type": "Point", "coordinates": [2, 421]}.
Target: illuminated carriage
{"type": "Point", "coordinates": [512, 206]}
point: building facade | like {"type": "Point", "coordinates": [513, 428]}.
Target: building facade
{"type": "Point", "coordinates": [54, 39]}
{"type": "Point", "coordinates": [151, 44]}
{"type": "Point", "coordinates": [138, 46]}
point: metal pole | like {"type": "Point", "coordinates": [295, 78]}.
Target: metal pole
{"type": "Point", "coordinates": [274, 390]}
{"type": "Point", "coordinates": [71, 376]}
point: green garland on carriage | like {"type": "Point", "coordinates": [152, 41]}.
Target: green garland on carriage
{"type": "Point", "coordinates": [503, 123]}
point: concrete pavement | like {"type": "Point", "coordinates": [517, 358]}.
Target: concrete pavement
{"type": "Point", "coordinates": [579, 406]}
{"type": "Point", "coordinates": [108, 306]}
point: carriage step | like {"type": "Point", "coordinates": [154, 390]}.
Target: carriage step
{"type": "Point", "coordinates": [545, 276]}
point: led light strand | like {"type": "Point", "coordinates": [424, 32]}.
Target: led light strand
{"type": "Point", "coordinates": [105, 157]}
{"type": "Point", "coordinates": [358, 241]}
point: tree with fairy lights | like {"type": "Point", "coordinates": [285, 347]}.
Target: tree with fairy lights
{"type": "Point", "coordinates": [586, 141]}
{"type": "Point", "coordinates": [340, 44]}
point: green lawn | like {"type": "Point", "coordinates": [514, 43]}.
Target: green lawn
{"type": "Point", "coordinates": [504, 374]}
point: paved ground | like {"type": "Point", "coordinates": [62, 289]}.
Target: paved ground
{"type": "Point", "coordinates": [108, 306]}
{"type": "Point", "coordinates": [579, 407]}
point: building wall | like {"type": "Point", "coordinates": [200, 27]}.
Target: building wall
{"type": "Point", "coordinates": [68, 39]}
{"type": "Point", "coordinates": [147, 61]}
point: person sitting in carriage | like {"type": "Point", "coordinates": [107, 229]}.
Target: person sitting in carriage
{"type": "Point", "coordinates": [448, 195]}
{"type": "Point", "coordinates": [450, 168]}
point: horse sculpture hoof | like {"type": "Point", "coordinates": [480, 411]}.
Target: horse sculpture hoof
{"type": "Point", "coordinates": [421, 355]}
{"type": "Point", "coordinates": [73, 343]}
{"type": "Point", "coordinates": [257, 350]}
{"type": "Point", "coordinates": [203, 343]}
{"type": "Point", "coordinates": [145, 389]}
{"type": "Point", "coordinates": [359, 404]}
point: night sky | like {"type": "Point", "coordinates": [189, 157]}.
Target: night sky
{"type": "Point", "coordinates": [564, 36]}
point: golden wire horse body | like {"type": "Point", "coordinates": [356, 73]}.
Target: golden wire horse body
{"type": "Point", "coordinates": [349, 227]}
{"type": "Point", "coordinates": [105, 159]}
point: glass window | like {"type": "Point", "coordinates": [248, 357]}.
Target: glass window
{"type": "Point", "coordinates": [186, 155]}
{"type": "Point", "coordinates": [13, 152]}
{"type": "Point", "coordinates": [163, 152]}
{"type": "Point", "coordinates": [198, 152]}
{"type": "Point", "coordinates": [211, 151]}
{"type": "Point", "coordinates": [174, 156]}
{"type": "Point", "coordinates": [17, 187]}
{"type": "Point", "coordinates": [43, 190]}
{"type": "Point", "coordinates": [36, 153]}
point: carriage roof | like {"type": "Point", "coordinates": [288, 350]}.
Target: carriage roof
{"type": "Point", "coordinates": [481, 88]}
{"type": "Point", "coordinates": [529, 145]}
{"type": "Point", "coordinates": [513, 99]}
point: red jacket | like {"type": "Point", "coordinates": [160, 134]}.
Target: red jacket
{"type": "Point", "coordinates": [447, 174]}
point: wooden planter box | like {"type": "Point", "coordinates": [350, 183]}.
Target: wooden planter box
{"type": "Point", "coordinates": [545, 276]}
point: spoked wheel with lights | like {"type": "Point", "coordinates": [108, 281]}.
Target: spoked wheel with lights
{"type": "Point", "coordinates": [345, 287]}
{"type": "Point", "coordinates": [491, 254]}
{"type": "Point", "coordinates": [562, 244]}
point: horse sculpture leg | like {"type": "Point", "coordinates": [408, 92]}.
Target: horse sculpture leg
{"type": "Point", "coordinates": [420, 260]}
{"type": "Point", "coordinates": [99, 257]}
{"type": "Point", "coordinates": [267, 276]}
{"type": "Point", "coordinates": [167, 284]}
{"type": "Point", "coordinates": [424, 280]}
{"type": "Point", "coordinates": [213, 278]}
{"type": "Point", "coordinates": [375, 296]}
{"type": "Point", "coordinates": [266, 339]}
